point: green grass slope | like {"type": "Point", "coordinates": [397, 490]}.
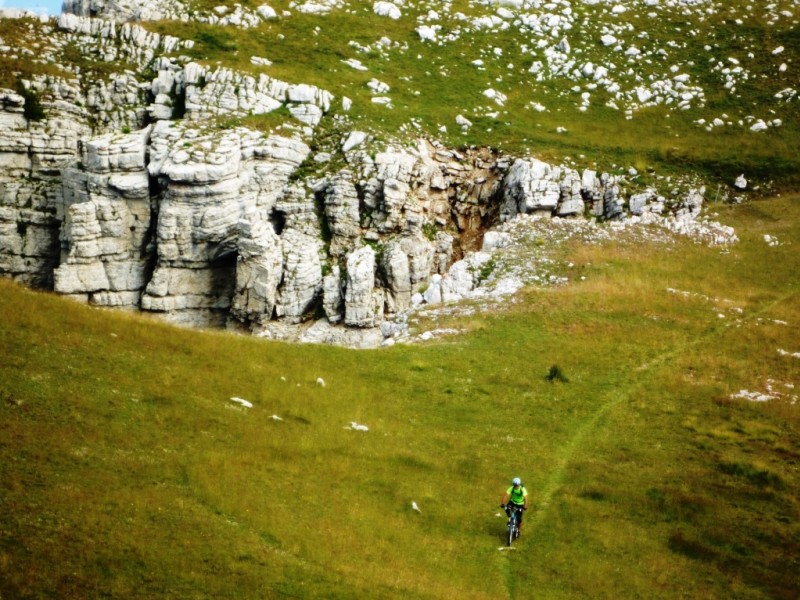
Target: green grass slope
{"type": "Point", "coordinates": [127, 472]}
{"type": "Point", "coordinates": [679, 89]}
{"type": "Point", "coordinates": [742, 58]}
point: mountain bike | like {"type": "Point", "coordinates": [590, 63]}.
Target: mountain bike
{"type": "Point", "coordinates": [514, 513]}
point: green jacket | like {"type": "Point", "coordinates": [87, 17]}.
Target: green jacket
{"type": "Point", "coordinates": [517, 496]}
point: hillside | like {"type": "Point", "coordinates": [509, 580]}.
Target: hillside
{"type": "Point", "coordinates": [319, 171]}
{"type": "Point", "coordinates": [563, 235]}
{"type": "Point", "coordinates": [665, 466]}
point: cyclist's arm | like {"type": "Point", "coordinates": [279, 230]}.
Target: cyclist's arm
{"type": "Point", "coordinates": [525, 504]}
{"type": "Point", "coordinates": [505, 499]}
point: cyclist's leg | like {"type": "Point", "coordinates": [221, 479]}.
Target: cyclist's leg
{"type": "Point", "coordinates": [519, 519]}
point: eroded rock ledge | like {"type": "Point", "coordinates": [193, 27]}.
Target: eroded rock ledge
{"type": "Point", "coordinates": [112, 198]}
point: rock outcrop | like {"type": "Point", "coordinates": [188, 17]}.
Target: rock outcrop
{"type": "Point", "coordinates": [129, 191]}
{"type": "Point", "coordinates": [126, 10]}
{"type": "Point", "coordinates": [106, 230]}
{"type": "Point", "coordinates": [32, 153]}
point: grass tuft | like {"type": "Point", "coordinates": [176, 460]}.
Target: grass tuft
{"type": "Point", "coordinates": [555, 374]}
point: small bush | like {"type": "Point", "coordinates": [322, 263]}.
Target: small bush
{"type": "Point", "coordinates": [327, 269]}
{"type": "Point", "coordinates": [32, 109]}
{"type": "Point", "coordinates": [430, 230]}
{"type": "Point", "coordinates": [556, 374]}
{"type": "Point", "coordinates": [486, 270]}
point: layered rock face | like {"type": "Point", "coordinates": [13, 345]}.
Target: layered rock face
{"type": "Point", "coordinates": [164, 233]}
{"type": "Point", "coordinates": [126, 191]}
{"type": "Point", "coordinates": [31, 197]}
{"type": "Point", "coordinates": [106, 227]}
{"type": "Point", "coordinates": [126, 10]}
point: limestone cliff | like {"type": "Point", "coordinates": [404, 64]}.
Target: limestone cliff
{"type": "Point", "coordinates": [127, 190]}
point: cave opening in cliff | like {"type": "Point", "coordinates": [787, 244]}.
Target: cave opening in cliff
{"type": "Point", "coordinates": [223, 273]}
{"type": "Point", "coordinates": [278, 220]}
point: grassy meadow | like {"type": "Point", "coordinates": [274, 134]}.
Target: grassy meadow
{"type": "Point", "coordinates": [433, 82]}
{"type": "Point", "coordinates": [127, 472]}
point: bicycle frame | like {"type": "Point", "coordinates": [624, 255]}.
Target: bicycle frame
{"type": "Point", "coordinates": [513, 522]}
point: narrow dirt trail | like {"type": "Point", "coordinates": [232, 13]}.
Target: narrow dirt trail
{"type": "Point", "coordinates": [544, 496]}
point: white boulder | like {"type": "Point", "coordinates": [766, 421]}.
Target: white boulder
{"type": "Point", "coordinates": [386, 9]}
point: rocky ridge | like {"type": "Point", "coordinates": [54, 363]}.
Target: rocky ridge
{"type": "Point", "coordinates": [126, 192]}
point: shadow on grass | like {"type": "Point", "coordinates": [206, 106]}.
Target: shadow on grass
{"type": "Point", "coordinates": [681, 544]}
{"type": "Point", "coordinates": [755, 475]}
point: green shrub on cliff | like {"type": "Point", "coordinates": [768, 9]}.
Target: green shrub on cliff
{"type": "Point", "coordinates": [32, 109]}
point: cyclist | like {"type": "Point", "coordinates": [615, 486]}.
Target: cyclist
{"type": "Point", "coordinates": [516, 495]}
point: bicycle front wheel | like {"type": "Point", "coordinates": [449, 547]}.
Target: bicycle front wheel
{"type": "Point", "coordinates": [511, 528]}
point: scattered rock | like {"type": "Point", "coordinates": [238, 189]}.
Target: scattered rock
{"type": "Point", "coordinates": [387, 9]}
